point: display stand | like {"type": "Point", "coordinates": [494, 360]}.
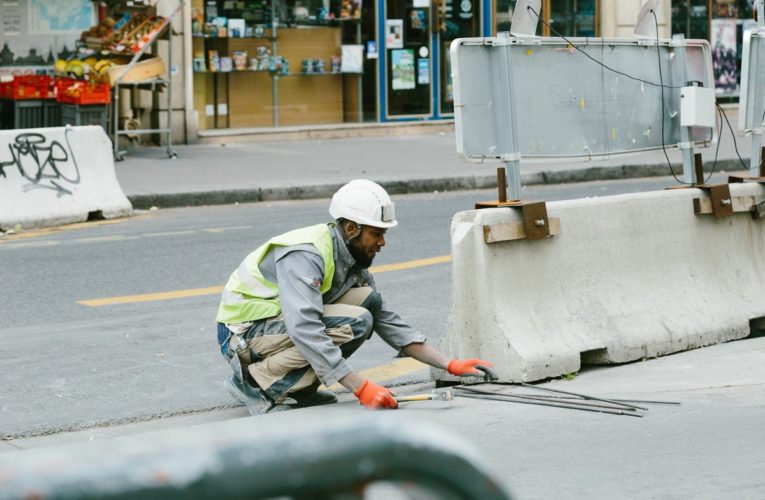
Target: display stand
{"type": "Point", "coordinates": [153, 85]}
{"type": "Point", "coordinates": [275, 24]}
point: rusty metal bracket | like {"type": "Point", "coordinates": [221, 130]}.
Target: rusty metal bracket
{"type": "Point", "coordinates": [719, 203]}
{"type": "Point", "coordinates": [535, 220]}
{"type": "Point", "coordinates": [536, 225]}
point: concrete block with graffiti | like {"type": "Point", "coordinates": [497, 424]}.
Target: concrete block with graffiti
{"type": "Point", "coordinates": [51, 176]}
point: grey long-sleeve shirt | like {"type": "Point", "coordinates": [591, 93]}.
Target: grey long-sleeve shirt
{"type": "Point", "coordinates": [298, 271]}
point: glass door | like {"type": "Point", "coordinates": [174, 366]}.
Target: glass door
{"type": "Point", "coordinates": [455, 19]}
{"type": "Point", "coordinates": [408, 66]}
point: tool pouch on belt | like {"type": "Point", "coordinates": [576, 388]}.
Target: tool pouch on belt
{"type": "Point", "coordinates": [243, 357]}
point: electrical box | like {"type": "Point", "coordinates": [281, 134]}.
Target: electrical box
{"type": "Point", "coordinates": [697, 107]}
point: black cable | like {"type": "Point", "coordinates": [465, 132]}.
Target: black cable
{"type": "Point", "coordinates": [717, 149]}
{"type": "Point", "coordinates": [601, 63]}
{"type": "Point", "coordinates": [661, 79]}
{"type": "Point", "coordinates": [733, 134]}
{"type": "Point", "coordinates": [660, 85]}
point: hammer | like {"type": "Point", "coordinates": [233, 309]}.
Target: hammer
{"type": "Point", "coordinates": [438, 395]}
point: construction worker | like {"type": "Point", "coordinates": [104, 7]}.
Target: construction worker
{"type": "Point", "coordinates": [303, 302]}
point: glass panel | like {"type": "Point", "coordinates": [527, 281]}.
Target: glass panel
{"type": "Point", "coordinates": [407, 33]}
{"type": "Point", "coordinates": [572, 17]}
{"type": "Point", "coordinates": [504, 15]}
{"type": "Point", "coordinates": [461, 19]}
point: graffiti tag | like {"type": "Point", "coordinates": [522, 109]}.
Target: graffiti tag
{"type": "Point", "coordinates": [45, 166]}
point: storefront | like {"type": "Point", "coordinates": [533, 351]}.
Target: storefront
{"type": "Point", "coordinates": [415, 74]}
{"type": "Point", "coordinates": [291, 62]}
{"type": "Point", "coordinates": [255, 64]}
{"type": "Point", "coordinates": [723, 23]}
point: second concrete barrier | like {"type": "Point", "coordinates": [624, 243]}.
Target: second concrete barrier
{"type": "Point", "coordinates": [627, 277]}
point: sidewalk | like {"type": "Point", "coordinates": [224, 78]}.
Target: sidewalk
{"type": "Point", "coordinates": [207, 174]}
{"type": "Point", "coordinates": [708, 446]}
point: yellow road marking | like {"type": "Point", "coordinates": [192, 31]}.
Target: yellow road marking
{"type": "Point", "coordinates": [196, 292]}
{"type": "Point", "coordinates": [229, 228]}
{"type": "Point", "coordinates": [167, 233]}
{"type": "Point", "coordinates": [113, 237]}
{"type": "Point", "coordinates": [396, 369]}
{"type": "Point", "coordinates": [411, 264]}
{"type": "Point", "coordinates": [149, 297]}
{"type": "Point", "coordinates": [33, 244]}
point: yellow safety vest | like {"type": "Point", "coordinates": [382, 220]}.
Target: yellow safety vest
{"type": "Point", "coordinates": [248, 296]}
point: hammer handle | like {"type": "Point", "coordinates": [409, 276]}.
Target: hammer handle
{"type": "Point", "coordinates": [416, 397]}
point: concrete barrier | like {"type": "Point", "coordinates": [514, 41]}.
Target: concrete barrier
{"type": "Point", "coordinates": [628, 277]}
{"type": "Point", "coordinates": [331, 453]}
{"type": "Point", "coordinates": [58, 175]}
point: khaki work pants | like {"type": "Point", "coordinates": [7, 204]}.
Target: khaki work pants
{"type": "Point", "coordinates": [280, 369]}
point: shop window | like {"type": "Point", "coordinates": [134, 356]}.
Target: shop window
{"type": "Point", "coordinates": [723, 23]}
{"type": "Point", "coordinates": [565, 17]}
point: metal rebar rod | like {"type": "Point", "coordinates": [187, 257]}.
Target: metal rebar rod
{"type": "Point", "coordinates": [552, 399]}
{"type": "Point", "coordinates": [647, 402]}
{"type": "Point", "coordinates": [625, 400]}
{"type": "Point", "coordinates": [583, 396]}
{"type": "Point", "coordinates": [510, 399]}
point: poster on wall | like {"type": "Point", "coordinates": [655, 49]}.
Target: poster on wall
{"type": "Point", "coordinates": [34, 33]}
{"type": "Point", "coordinates": [402, 69]}
{"type": "Point", "coordinates": [60, 16]}
{"type": "Point", "coordinates": [394, 33]}
{"type": "Point", "coordinates": [351, 58]}
{"type": "Point", "coordinates": [724, 55]}
{"type": "Point", "coordinates": [423, 71]}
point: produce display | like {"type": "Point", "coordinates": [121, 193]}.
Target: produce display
{"type": "Point", "coordinates": [92, 68]}
{"type": "Point", "coordinates": [129, 34]}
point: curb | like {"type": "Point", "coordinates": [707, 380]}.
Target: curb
{"type": "Point", "coordinates": [461, 183]}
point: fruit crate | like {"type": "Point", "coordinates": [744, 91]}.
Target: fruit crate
{"type": "Point", "coordinates": [24, 87]}
{"type": "Point", "coordinates": [78, 114]}
{"type": "Point", "coordinates": [82, 92]}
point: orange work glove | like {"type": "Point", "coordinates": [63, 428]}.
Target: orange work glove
{"type": "Point", "coordinates": [375, 396]}
{"type": "Point", "coordinates": [467, 366]}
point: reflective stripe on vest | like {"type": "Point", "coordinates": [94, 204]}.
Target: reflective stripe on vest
{"type": "Point", "coordinates": [248, 296]}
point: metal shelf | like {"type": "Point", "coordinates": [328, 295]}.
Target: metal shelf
{"type": "Point", "coordinates": [151, 84]}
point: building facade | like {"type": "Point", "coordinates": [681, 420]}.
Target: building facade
{"type": "Point", "coordinates": [243, 65]}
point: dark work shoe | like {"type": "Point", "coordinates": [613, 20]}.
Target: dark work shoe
{"type": "Point", "coordinates": [255, 399]}
{"type": "Point", "coordinates": [313, 397]}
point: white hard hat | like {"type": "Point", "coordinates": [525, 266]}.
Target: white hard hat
{"type": "Point", "coordinates": [364, 202]}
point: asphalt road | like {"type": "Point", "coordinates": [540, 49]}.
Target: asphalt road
{"type": "Point", "coordinates": [66, 365]}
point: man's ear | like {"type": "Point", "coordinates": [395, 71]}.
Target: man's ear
{"type": "Point", "coordinates": [351, 229]}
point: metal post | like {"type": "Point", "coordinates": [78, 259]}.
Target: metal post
{"type": "Point", "coordinates": [115, 124]}
{"type": "Point", "coordinates": [360, 76]}
{"type": "Point", "coordinates": [514, 179]}
{"type": "Point", "coordinates": [755, 160]}
{"type": "Point", "coordinates": [501, 185]}
{"type": "Point", "coordinates": [513, 164]}
{"type": "Point", "coordinates": [275, 76]}
{"type": "Point", "coordinates": [686, 146]}
{"type": "Point", "coordinates": [169, 147]}
{"type": "Point", "coordinates": [699, 165]}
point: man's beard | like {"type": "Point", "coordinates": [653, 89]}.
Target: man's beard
{"type": "Point", "coordinates": [361, 258]}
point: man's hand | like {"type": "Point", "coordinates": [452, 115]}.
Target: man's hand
{"type": "Point", "coordinates": [461, 367]}
{"type": "Point", "coordinates": [375, 396]}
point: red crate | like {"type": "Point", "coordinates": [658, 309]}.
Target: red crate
{"type": "Point", "coordinates": [82, 92]}
{"type": "Point", "coordinates": [27, 87]}
{"type": "Point", "coordinates": [61, 84]}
